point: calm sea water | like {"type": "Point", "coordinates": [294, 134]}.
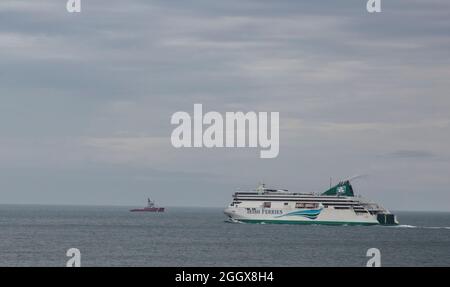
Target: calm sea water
{"type": "Point", "coordinates": [112, 236]}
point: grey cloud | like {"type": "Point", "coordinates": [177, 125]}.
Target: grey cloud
{"type": "Point", "coordinates": [100, 87]}
{"type": "Point", "coordinates": [411, 154]}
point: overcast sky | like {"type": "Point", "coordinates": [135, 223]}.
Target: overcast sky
{"type": "Point", "coordinates": [86, 99]}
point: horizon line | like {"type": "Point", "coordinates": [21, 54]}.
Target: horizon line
{"type": "Point", "coordinates": [171, 206]}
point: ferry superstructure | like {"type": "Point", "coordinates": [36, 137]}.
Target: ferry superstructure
{"type": "Point", "coordinates": [336, 206]}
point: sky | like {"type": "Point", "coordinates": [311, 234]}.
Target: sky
{"type": "Point", "coordinates": [86, 99]}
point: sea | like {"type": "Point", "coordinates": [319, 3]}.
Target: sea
{"type": "Point", "coordinates": [38, 235]}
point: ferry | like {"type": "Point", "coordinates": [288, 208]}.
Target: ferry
{"type": "Point", "coordinates": [336, 206]}
{"type": "Point", "coordinates": [151, 207]}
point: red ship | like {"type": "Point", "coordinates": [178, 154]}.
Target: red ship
{"type": "Point", "coordinates": [151, 207]}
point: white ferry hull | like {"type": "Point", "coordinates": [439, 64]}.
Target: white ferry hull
{"type": "Point", "coordinates": [300, 216]}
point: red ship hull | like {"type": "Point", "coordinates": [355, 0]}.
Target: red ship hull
{"type": "Point", "coordinates": [148, 209]}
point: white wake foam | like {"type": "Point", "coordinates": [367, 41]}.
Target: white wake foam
{"type": "Point", "coordinates": [404, 226]}
{"type": "Point", "coordinates": [437, 227]}
{"type": "Point", "coordinates": [426, 227]}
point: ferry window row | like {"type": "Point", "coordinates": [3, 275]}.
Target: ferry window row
{"type": "Point", "coordinates": [306, 205]}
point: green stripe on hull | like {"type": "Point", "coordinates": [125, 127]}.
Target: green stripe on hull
{"type": "Point", "coordinates": [306, 222]}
